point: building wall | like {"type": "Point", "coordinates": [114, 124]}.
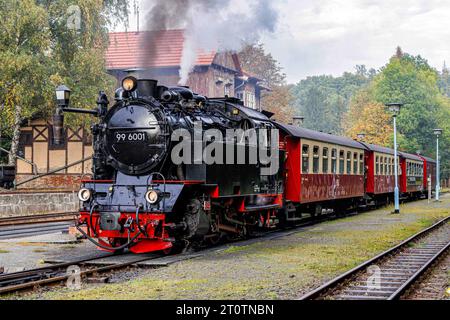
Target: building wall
{"type": "Point", "coordinates": [17, 204]}
{"type": "Point", "coordinates": [36, 145]}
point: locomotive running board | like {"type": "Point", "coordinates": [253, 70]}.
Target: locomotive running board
{"type": "Point", "coordinates": [266, 207]}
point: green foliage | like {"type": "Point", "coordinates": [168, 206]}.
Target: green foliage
{"type": "Point", "coordinates": [324, 100]}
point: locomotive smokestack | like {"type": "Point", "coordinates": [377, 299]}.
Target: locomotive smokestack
{"type": "Point", "coordinates": [147, 88]}
{"type": "Point", "coordinates": [58, 128]}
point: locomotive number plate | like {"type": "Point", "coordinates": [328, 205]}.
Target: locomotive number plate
{"type": "Point", "coordinates": [126, 137]}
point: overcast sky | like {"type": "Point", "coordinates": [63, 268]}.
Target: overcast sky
{"type": "Point", "coordinates": [316, 37]}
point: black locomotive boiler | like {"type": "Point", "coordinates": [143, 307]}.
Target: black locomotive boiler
{"type": "Point", "coordinates": [140, 198]}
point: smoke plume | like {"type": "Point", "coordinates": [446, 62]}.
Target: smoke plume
{"type": "Point", "coordinates": [210, 25]}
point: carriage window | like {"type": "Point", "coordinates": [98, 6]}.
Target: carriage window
{"type": "Point", "coordinates": [385, 165]}
{"type": "Point", "coordinates": [316, 159]}
{"type": "Point", "coordinates": [349, 163]}
{"type": "Point", "coordinates": [355, 163]}
{"type": "Point", "coordinates": [333, 160]}
{"type": "Point", "coordinates": [377, 165]}
{"type": "Point", "coordinates": [381, 165]}
{"type": "Point", "coordinates": [341, 162]}
{"type": "Point", "coordinates": [325, 160]}
{"type": "Point", "coordinates": [305, 159]}
{"type": "Point", "coordinates": [389, 166]}
{"type": "Point", "coordinates": [361, 163]}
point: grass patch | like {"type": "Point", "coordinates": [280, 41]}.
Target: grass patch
{"type": "Point", "coordinates": [234, 249]}
{"type": "Point", "coordinates": [4, 251]}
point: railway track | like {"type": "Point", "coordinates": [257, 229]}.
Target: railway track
{"type": "Point", "coordinates": [13, 232]}
{"type": "Point", "coordinates": [58, 273]}
{"type": "Point", "coordinates": [52, 217]}
{"type": "Point", "coordinates": [392, 273]}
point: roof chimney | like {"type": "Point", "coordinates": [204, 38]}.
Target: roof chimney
{"type": "Point", "coordinates": [298, 120]}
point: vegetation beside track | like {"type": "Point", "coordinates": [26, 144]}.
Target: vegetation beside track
{"type": "Point", "coordinates": [281, 268]}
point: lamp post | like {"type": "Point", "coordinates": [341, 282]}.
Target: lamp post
{"type": "Point", "coordinates": [437, 132]}
{"type": "Point", "coordinates": [63, 100]}
{"type": "Point", "coordinates": [63, 96]}
{"type": "Point", "coordinates": [394, 108]}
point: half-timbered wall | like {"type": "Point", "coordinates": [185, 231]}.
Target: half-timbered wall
{"type": "Point", "coordinates": [37, 146]}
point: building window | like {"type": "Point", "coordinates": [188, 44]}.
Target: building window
{"type": "Point", "coordinates": [250, 100]}
{"type": "Point", "coordinates": [305, 158]}
{"type": "Point", "coordinates": [227, 90]}
{"type": "Point", "coordinates": [316, 159]}
{"type": "Point", "coordinates": [333, 161]}
{"type": "Point", "coordinates": [325, 160]}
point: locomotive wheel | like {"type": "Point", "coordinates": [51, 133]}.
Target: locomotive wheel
{"type": "Point", "coordinates": [213, 239]}
{"type": "Point", "coordinates": [176, 248]}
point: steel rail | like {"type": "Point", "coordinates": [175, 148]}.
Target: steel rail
{"type": "Point", "coordinates": [347, 275]}
{"type": "Point", "coordinates": [410, 282]}
{"type": "Point", "coordinates": [55, 267]}
{"type": "Point", "coordinates": [55, 279]}
{"type": "Point", "coordinates": [33, 219]}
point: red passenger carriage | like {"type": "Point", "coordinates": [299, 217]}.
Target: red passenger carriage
{"type": "Point", "coordinates": [322, 170]}
{"type": "Point", "coordinates": [412, 175]}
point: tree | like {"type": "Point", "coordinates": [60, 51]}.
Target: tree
{"type": "Point", "coordinates": [412, 81]}
{"type": "Point", "coordinates": [369, 117]}
{"type": "Point", "coordinates": [24, 44]}
{"type": "Point", "coordinates": [278, 102]}
{"type": "Point", "coordinates": [45, 43]}
{"type": "Point", "coordinates": [324, 100]}
{"type": "Point", "coordinates": [254, 59]}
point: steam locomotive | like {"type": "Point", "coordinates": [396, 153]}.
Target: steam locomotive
{"type": "Point", "coordinates": [138, 198]}
{"type": "Point", "coordinates": [142, 197]}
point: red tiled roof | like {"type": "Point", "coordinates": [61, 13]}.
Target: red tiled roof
{"type": "Point", "coordinates": [134, 50]}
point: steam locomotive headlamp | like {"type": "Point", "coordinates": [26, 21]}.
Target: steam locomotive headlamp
{"type": "Point", "coordinates": [63, 96]}
{"type": "Point", "coordinates": [129, 84]}
{"type": "Point", "coordinates": [84, 194]}
{"type": "Point", "coordinates": [153, 196]}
